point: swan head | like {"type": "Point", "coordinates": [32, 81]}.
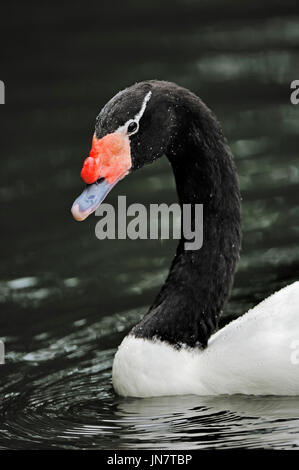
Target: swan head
{"type": "Point", "coordinates": [134, 128]}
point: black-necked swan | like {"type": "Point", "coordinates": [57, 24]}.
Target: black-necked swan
{"type": "Point", "coordinates": [174, 349]}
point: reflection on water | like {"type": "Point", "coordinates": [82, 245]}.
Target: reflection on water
{"type": "Point", "coordinates": [63, 405]}
{"type": "Point", "coordinates": [68, 299]}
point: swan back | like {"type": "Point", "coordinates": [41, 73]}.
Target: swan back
{"type": "Point", "coordinates": [256, 354]}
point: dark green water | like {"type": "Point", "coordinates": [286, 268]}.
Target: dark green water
{"type": "Point", "coordinates": [68, 299]}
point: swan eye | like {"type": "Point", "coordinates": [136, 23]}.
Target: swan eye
{"type": "Point", "coordinates": [132, 127]}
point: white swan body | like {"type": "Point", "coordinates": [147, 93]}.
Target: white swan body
{"type": "Point", "coordinates": [257, 354]}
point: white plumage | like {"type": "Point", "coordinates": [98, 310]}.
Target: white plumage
{"type": "Point", "coordinates": [255, 354]}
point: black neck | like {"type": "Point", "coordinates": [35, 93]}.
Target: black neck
{"type": "Point", "coordinates": [187, 309]}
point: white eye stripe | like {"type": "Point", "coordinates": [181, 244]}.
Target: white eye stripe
{"type": "Point", "coordinates": [136, 129]}
{"type": "Point", "coordinates": [137, 117]}
{"type": "Point", "coordinates": [143, 107]}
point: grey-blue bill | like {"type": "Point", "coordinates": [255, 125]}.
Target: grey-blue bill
{"type": "Point", "coordinates": [91, 198]}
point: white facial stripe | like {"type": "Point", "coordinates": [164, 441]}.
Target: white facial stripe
{"type": "Point", "coordinates": [143, 107]}
{"type": "Point", "coordinates": [138, 116]}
